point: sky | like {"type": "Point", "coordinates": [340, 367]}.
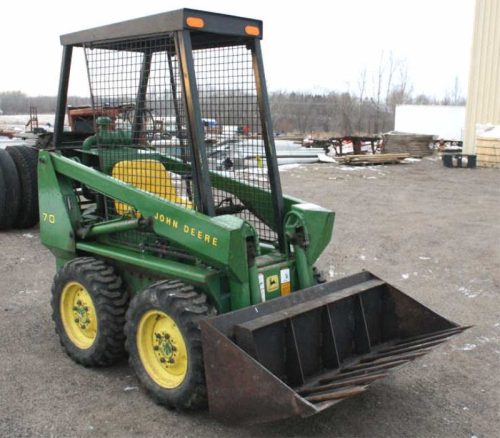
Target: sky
{"type": "Point", "coordinates": [312, 46]}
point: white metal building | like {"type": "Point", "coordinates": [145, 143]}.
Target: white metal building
{"type": "Point", "coordinates": [483, 99]}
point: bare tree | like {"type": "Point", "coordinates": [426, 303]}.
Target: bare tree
{"type": "Point", "coordinates": [362, 90]}
{"type": "Point", "coordinates": [392, 63]}
{"type": "Point", "coordinates": [453, 95]}
{"type": "Point", "coordinates": [377, 89]}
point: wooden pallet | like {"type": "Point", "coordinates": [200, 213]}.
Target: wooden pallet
{"type": "Point", "coordinates": [417, 145]}
{"type": "Point", "coordinates": [364, 160]}
{"type": "Point", "coordinates": [488, 152]}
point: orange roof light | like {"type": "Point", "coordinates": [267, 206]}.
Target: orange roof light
{"type": "Point", "coordinates": [195, 22]}
{"type": "Point", "coordinates": [252, 30]}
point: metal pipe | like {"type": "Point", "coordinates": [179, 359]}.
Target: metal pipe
{"type": "Point", "coordinates": [163, 267]}
{"type": "Point", "coordinates": [141, 98]}
{"type": "Point", "coordinates": [268, 137]}
{"type": "Point", "coordinates": [255, 294]}
{"type": "Point", "coordinates": [336, 395]}
{"type": "Point", "coordinates": [109, 228]}
{"type": "Point", "coordinates": [343, 384]}
{"type": "Point", "coordinates": [178, 123]}
{"type": "Point", "coordinates": [63, 95]}
{"type": "Point", "coordinates": [203, 189]}
{"type": "Point", "coordinates": [304, 271]}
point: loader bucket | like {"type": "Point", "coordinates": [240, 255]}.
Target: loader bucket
{"type": "Point", "coordinates": [300, 354]}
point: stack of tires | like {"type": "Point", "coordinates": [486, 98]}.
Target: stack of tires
{"type": "Point", "coordinates": [18, 187]}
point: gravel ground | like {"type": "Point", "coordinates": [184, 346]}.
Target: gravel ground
{"type": "Point", "coordinates": [432, 232]}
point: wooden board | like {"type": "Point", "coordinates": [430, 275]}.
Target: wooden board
{"type": "Point", "coordinates": [488, 152]}
{"type": "Point", "coordinates": [484, 164]}
{"type": "Point", "coordinates": [488, 158]}
{"type": "Point", "coordinates": [372, 159]}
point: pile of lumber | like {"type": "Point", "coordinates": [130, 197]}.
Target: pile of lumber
{"type": "Point", "coordinates": [416, 145]}
{"type": "Point", "coordinates": [292, 137]}
{"type": "Point", "coordinates": [364, 160]}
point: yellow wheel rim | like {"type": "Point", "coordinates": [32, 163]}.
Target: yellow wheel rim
{"type": "Point", "coordinates": [78, 315]}
{"type": "Point", "coordinates": [162, 349]}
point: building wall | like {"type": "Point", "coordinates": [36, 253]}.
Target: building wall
{"type": "Point", "coordinates": [483, 99]}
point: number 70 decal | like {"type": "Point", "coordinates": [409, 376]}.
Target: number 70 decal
{"type": "Point", "coordinates": [50, 218]}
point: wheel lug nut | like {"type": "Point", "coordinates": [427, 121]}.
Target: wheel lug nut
{"type": "Point", "coordinates": [167, 336]}
{"type": "Point", "coordinates": [77, 320]}
{"type": "Point", "coordinates": [162, 360]}
{"type": "Point", "coordinates": [83, 326]}
{"type": "Point", "coordinates": [87, 321]}
{"type": "Point", "coordinates": [79, 302]}
{"type": "Point", "coordinates": [158, 336]}
{"type": "Point", "coordinates": [75, 308]}
{"type": "Point", "coordinates": [171, 360]}
{"type": "Point", "coordinates": [86, 308]}
{"type": "Point", "coordinates": [156, 348]}
{"type": "Point", "coordinates": [174, 348]}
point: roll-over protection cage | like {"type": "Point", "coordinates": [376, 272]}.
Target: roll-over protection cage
{"type": "Point", "coordinates": [183, 86]}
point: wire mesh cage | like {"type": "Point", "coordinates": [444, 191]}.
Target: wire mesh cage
{"type": "Point", "coordinates": [143, 137]}
{"type": "Point", "coordinates": [233, 132]}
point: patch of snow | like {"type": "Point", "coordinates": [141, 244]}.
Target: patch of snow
{"type": "Point", "coordinates": [350, 168]}
{"type": "Point", "coordinates": [467, 292]}
{"type": "Point", "coordinates": [405, 276]}
{"type": "Point", "coordinates": [487, 131]}
{"type": "Point", "coordinates": [362, 257]}
{"type": "Point", "coordinates": [424, 258]}
{"type": "Point", "coordinates": [411, 160]}
{"type": "Point", "coordinates": [28, 235]}
{"type": "Point", "coordinates": [286, 167]}
{"type": "Point", "coordinates": [467, 347]}
{"type": "Point", "coordinates": [131, 388]}
{"type": "Point", "coordinates": [326, 159]}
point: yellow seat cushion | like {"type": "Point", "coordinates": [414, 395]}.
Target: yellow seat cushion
{"type": "Point", "coordinates": [148, 175]}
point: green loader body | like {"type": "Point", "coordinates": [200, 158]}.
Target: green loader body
{"type": "Point", "coordinates": [228, 258]}
{"type": "Point", "coordinates": [175, 245]}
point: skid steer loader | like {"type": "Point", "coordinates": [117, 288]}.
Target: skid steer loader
{"type": "Point", "coordinates": [204, 274]}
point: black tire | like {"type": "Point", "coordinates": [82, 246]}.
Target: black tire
{"type": "Point", "coordinates": [109, 300]}
{"type": "Point", "coordinates": [186, 307]}
{"type": "Point", "coordinates": [10, 191]}
{"type": "Point", "coordinates": [26, 161]}
{"type": "Point", "coordinates": [318, 276]}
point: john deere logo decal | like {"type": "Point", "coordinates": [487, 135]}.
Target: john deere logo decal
{"type": "Point", "coordinates": [272, 283]}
